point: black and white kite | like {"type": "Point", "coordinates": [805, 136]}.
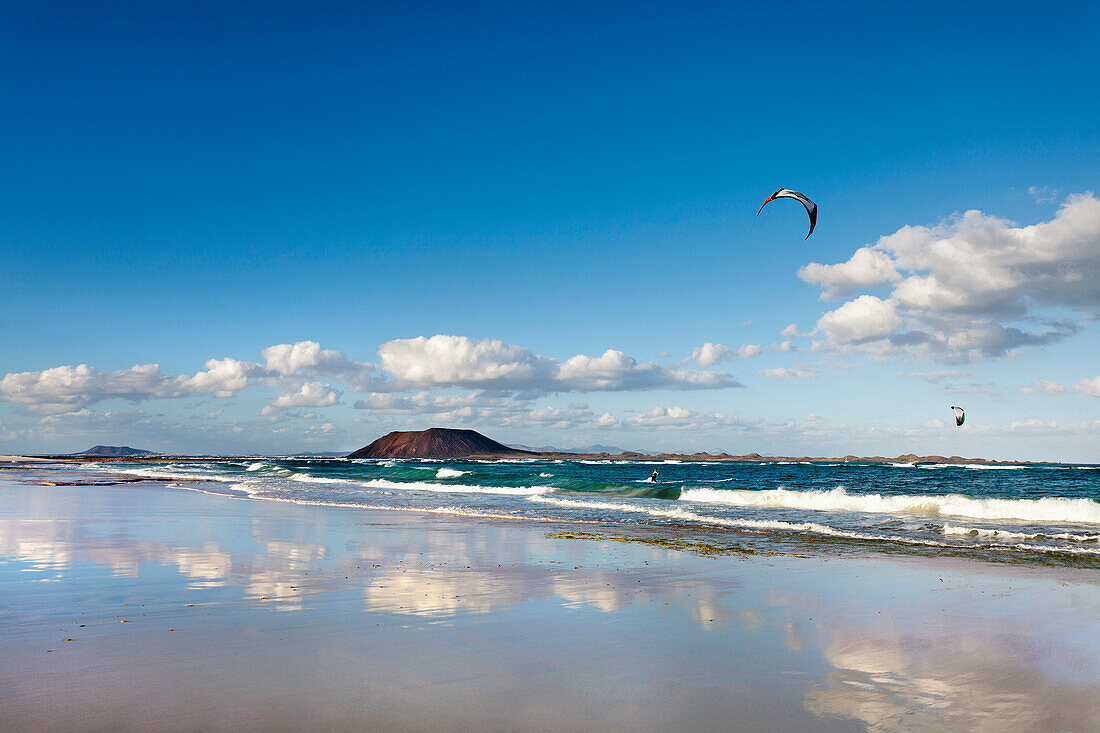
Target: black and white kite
{"type": "Point", "coordinates": [786, 193]}
{"type": "Point", "coordinates": [960, 415]}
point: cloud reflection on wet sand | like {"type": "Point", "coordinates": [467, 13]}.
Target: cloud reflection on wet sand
{"type": "Point", "coordinates": [863, 650]}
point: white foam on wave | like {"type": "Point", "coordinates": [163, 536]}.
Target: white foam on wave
{"type": "Point", "coordinates": [233, 491]}
{"type": "Point", "coordinates": [683, 514]}
{"type": "Point", "coordinates": [794, 527]}
{"type": "Point", "coordinates": [178, 475]}
{"type": "Point", "coordinates": [1050, 509]}
{"type": "Point", "coordinates": [259, 465]}
{"type": "Point", "coordinates": [737, 523]}
{"type": "Point", "coordinates": [972, 466]}
{"type": "Point", "coordinates": [545, 475]}
{"type": "Point", "coordinates": [1004, 534]}
{"type": "Point", "coordinates": [449, 473]}
{"type": "Point", "coordinates": [456, 488]}
{"type": "Point", "coordinates": [306, 478]}
{"type": "Point", "coordinates": [381, 483]}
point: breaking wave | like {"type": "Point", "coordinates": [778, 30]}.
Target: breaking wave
{"type": "Point", "coordinates": [1048, 509]}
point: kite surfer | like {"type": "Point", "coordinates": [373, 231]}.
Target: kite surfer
{"type": "Point", "coordinates": [653, 476]}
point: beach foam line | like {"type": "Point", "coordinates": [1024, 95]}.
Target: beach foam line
{"type": "Point", "coordinates": [686, 515]}
{"type": "Point", "coordinates": [177, 476]}
{"type": "Point", "coordinates": [1049, 509]}
{"type": "Point", "coordinates": [1004, 534]}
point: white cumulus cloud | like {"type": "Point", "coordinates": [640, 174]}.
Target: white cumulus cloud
{"type": "Point", "coordinates": [306, 358]}
{"type": "Point", "coordinates": [865, 318]}
{"type": "Point", "coordinates": [682, 418]}
{"type": "Point", "coordinates": [710, 354]}
{"type": "Point", "coordinates": [69, 388]}
{"type": "Point", "coordinates": [1090, 387]}
{"type": "Point", "coordinates": [309, 394]}
{"type": "Point", "coordinates": [433, 363]}
{"type": "Point", "coordinates": [490, 364]}
{"type": "Point", "coordinates": [1084, 385]}
{"type": "Point", "coordinates": [973, 286]}
{"type": "Point", "coordinates": [867, 267]}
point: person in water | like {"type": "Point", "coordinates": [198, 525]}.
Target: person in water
{"type": "Point", "coordinates": [653, 476]}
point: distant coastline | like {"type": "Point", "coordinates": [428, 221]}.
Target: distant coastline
{"type": "Point", "coordinates": [456, 444]}
{"type": "Point", "coordinates": [625, 456]}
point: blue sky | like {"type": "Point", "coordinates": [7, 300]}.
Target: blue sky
{"type": "Point", "coordinates": [195, 181]}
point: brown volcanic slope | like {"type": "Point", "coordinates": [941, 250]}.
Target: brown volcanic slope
{"type": "Point", "coordinates": [435, 443]}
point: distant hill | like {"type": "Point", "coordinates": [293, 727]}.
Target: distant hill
{"type": "Point", "coordinates": [594, 448]}
{"type": "Point", "coordinates": [114, 451]}
{"type": "Point", "coordinates": [436, 443]}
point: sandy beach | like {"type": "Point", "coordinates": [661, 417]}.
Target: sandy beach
{"type": "Point", "coordinates": [144, 607]}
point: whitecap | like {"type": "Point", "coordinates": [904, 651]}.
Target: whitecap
{"type": "Point", "coordinates": [306, 478]}
{"type": "Point", "coordinates": [1049, 509]}
{"type": "Point", "coordinates": [782, 526]}
{"type": "Point", "coordinates": [456, 488]}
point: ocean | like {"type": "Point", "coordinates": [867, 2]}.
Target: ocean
{"type": "Point", "coordinates": [1006, 513]}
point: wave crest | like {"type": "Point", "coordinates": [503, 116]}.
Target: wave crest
{"type": "Point", "coordinates": [1048, 509]}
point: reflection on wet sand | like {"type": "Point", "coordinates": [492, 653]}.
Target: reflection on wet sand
{"type": "Point", "coordinates": [441, 592]}
{"type": "Point", "coordinates": [961, 677]}
{"type": "Point", "coordinates": [434, 581]}
{"type": "Point", "coordinates": [884, 662]}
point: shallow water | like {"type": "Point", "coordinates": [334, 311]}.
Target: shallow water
{"type": "Point", "coordinates": [1048, 513]}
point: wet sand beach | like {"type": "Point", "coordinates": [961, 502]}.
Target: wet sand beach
{"type": "Point", "coordinates": [138, 606]}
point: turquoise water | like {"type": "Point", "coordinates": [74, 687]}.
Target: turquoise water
{"type": "Point", "coordinates": [1050, 512]}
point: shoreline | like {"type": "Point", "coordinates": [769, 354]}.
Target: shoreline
{"type": "Point", "coordinates": [963, 531]}
{"type": "Point", "coordinates": [254, 615]}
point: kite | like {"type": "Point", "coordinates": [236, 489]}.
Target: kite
{"type": "Point", "coordinates": [960, 416]}
{"type": "Point", "coordinates": [786, 193]}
